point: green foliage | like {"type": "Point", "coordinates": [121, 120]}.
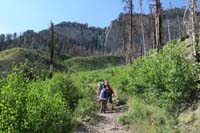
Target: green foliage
{"type": "Point", "coordinates": [42, 106]}
{"type": "Point", "coordinates": [147, 118]}
{"type": "Point", "coordinates": [118, 77]}
{"type": "Point", "coordinates": [84, 108]}
{"type": "Point", "coordinates": [166, 79]}
{"type": "Point", "coordinates": [63, 84]}
{"type": "Point", "coordinates": [92, 63]}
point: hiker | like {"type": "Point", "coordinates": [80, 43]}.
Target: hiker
{"type": "Point", "coordinates": [98, 91]}
{"type": "Point", "coordinates": [110, 93]}
{"type": "Point", "coordinates": [99, 88]}
{"type": "Point", "coordinates": [103, 99]}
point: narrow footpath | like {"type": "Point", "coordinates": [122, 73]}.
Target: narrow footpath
{"type": "Point", "coordinates": [106, 123]}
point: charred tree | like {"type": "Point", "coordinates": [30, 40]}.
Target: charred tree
{"type": "Point", "coordinates": [195, 29]}
{"type": "Point", "coordinates": [158, 25]}
{"type": "Point", "coordinates": [152, 23]}
{"type": "Point", "coordinates": [143, 46]}
{"type": "Point", "coordinates": [125, 40]}
{"type": "Point", "coordinates": [131, 33]}
{"type": "Point", "coordinates": [169, 29]}
{"type": "Point", "coordinates": [129, 6]}
{"type": "Point", "coordinates": [169, 23]}
{"type": "Point", "coordinates": [51, 49]}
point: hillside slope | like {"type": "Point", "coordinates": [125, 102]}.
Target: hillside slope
{"type": "Point", "coordinates": [38, 61]}
{"type": "Point", "coordinates": [35, 60]}
{"type": "Point", "coordinates": [93, 63]}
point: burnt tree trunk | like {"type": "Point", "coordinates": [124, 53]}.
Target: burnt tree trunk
{"type": "Point", "coordinates": [130, 46]}
{"type": "Point", "coordinates": [158, 25]}
{"type": "Point", "coordinates": [51, 48]}
{"type": "Point", "coordinates": [125, 41]}
{"type": "Point", "coordinates": [169, 29]}
{"type": "Point", "coordinates": [152, 23]}
{"type": "Point", "coordinates": [143, 46]}
{"type": "Point", "coordinates": [195, 29]}
{"type": "Point", "coordinates": [131, 32]}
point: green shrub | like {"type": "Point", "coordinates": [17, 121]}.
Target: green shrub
{"type": "Point", "coordinates": [147, 118]}
{"type": "Point", "coordinates": [63, 84]}
{"type": "Point", "coordinates": [42, 106]}
{"type": "Point", "coordinates": [84, 108]}
{"type": "Point", "coordinates": [46, 109]}
{"type": "Point", "coordinates": [166, 79]}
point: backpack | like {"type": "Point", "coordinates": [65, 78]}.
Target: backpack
{"type": "Point", "coordinates": [104, 93]}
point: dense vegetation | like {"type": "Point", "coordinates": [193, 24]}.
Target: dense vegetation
{"type": "Point", "coordinates": [157, 87]}
{"type": "Point", "coordinates": [39, 104]}
{"type": "Point", "coordinates": [43, 106]}
{"type": "Point", "coordinates": [167, 79]}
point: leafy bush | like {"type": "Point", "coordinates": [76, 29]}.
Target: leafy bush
{"type": "Point", "coordinates": [84, 108]}
{"type": "Point", "coordinates": [63, 84]}
{"type": "Point", "coordinates": [42, 106]}
{"type": "Point", "coordinates": [166, 79]}
{"type": "Point", "coordinates": [46, 109]}
{"type": "Point", "coordinates": [147, 118]}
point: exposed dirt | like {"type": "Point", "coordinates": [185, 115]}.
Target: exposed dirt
{"type": "Point", "coordinates": [106, 123]}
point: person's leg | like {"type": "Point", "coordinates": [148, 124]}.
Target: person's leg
{"type": "Point", "coordinates": [101, 105]}
{"type": "Point", "coordinates": [111, 102]}
{"type": "Point", "coordinates": [104, 106]}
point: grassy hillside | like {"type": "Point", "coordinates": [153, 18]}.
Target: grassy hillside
{"type": "Point", "coordinates": [35, 60]}
{"type": "Point", "coordinates": [93, 63]}
{"type": "Point", "coordinates": [38, 61]}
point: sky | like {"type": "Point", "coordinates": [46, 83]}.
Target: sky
{"type": "Point", "coordinates": [21, 15]}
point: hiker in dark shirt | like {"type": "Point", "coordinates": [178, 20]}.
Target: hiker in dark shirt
{"type": "Point", "coordinates": [110, 93]}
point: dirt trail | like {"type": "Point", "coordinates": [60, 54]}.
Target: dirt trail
{"type": "Point", "coordinates": [106, 123]}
